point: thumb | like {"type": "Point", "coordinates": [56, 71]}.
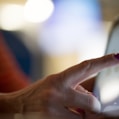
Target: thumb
{"type": "Point", "coordinates": [81, 98]}
{"type": "Point", "coordinates": [94, 103]}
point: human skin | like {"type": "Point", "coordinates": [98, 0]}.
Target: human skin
{"type": "Point", "coordinates": [61, 95]}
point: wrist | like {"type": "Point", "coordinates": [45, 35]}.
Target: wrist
{"type": "Point", "coordinates": [10, 103]}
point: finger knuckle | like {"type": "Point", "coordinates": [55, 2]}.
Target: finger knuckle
{"type": "Point", "coordinates": [87, 64]}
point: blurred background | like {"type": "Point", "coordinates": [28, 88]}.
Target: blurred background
{"type": "Point", "coordinates": [48, 36]}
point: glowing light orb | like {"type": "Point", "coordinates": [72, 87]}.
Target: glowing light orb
{"type": "Point", "coordinates": [11, 17]}
{"type": "Point", "coordinates": [38, 10]}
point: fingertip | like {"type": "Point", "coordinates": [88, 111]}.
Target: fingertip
{"type": "Point", "coordinates": [116, 56]}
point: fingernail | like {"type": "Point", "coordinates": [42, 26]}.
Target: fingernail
{"type": "Point", "coordinates": [116, 56]}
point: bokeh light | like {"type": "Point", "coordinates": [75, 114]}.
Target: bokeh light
{"type": "Point", "coordinates": [38, 10]}
{"type": "Point", "coordinates": [11, 17]}
{"type": "Point", "coordinates": [75, 26]}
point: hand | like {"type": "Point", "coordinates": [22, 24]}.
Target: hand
{"type": "Point", "coordinates": [60, 95]}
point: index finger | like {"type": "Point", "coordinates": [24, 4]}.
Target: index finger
{"type": "Point", "coordinates": [78, 73]}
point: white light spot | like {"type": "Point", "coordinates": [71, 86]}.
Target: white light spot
{"type": "Point", "coordinates": [12, 17]}
{"type": "Point", "coordinates": [38, 10]}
